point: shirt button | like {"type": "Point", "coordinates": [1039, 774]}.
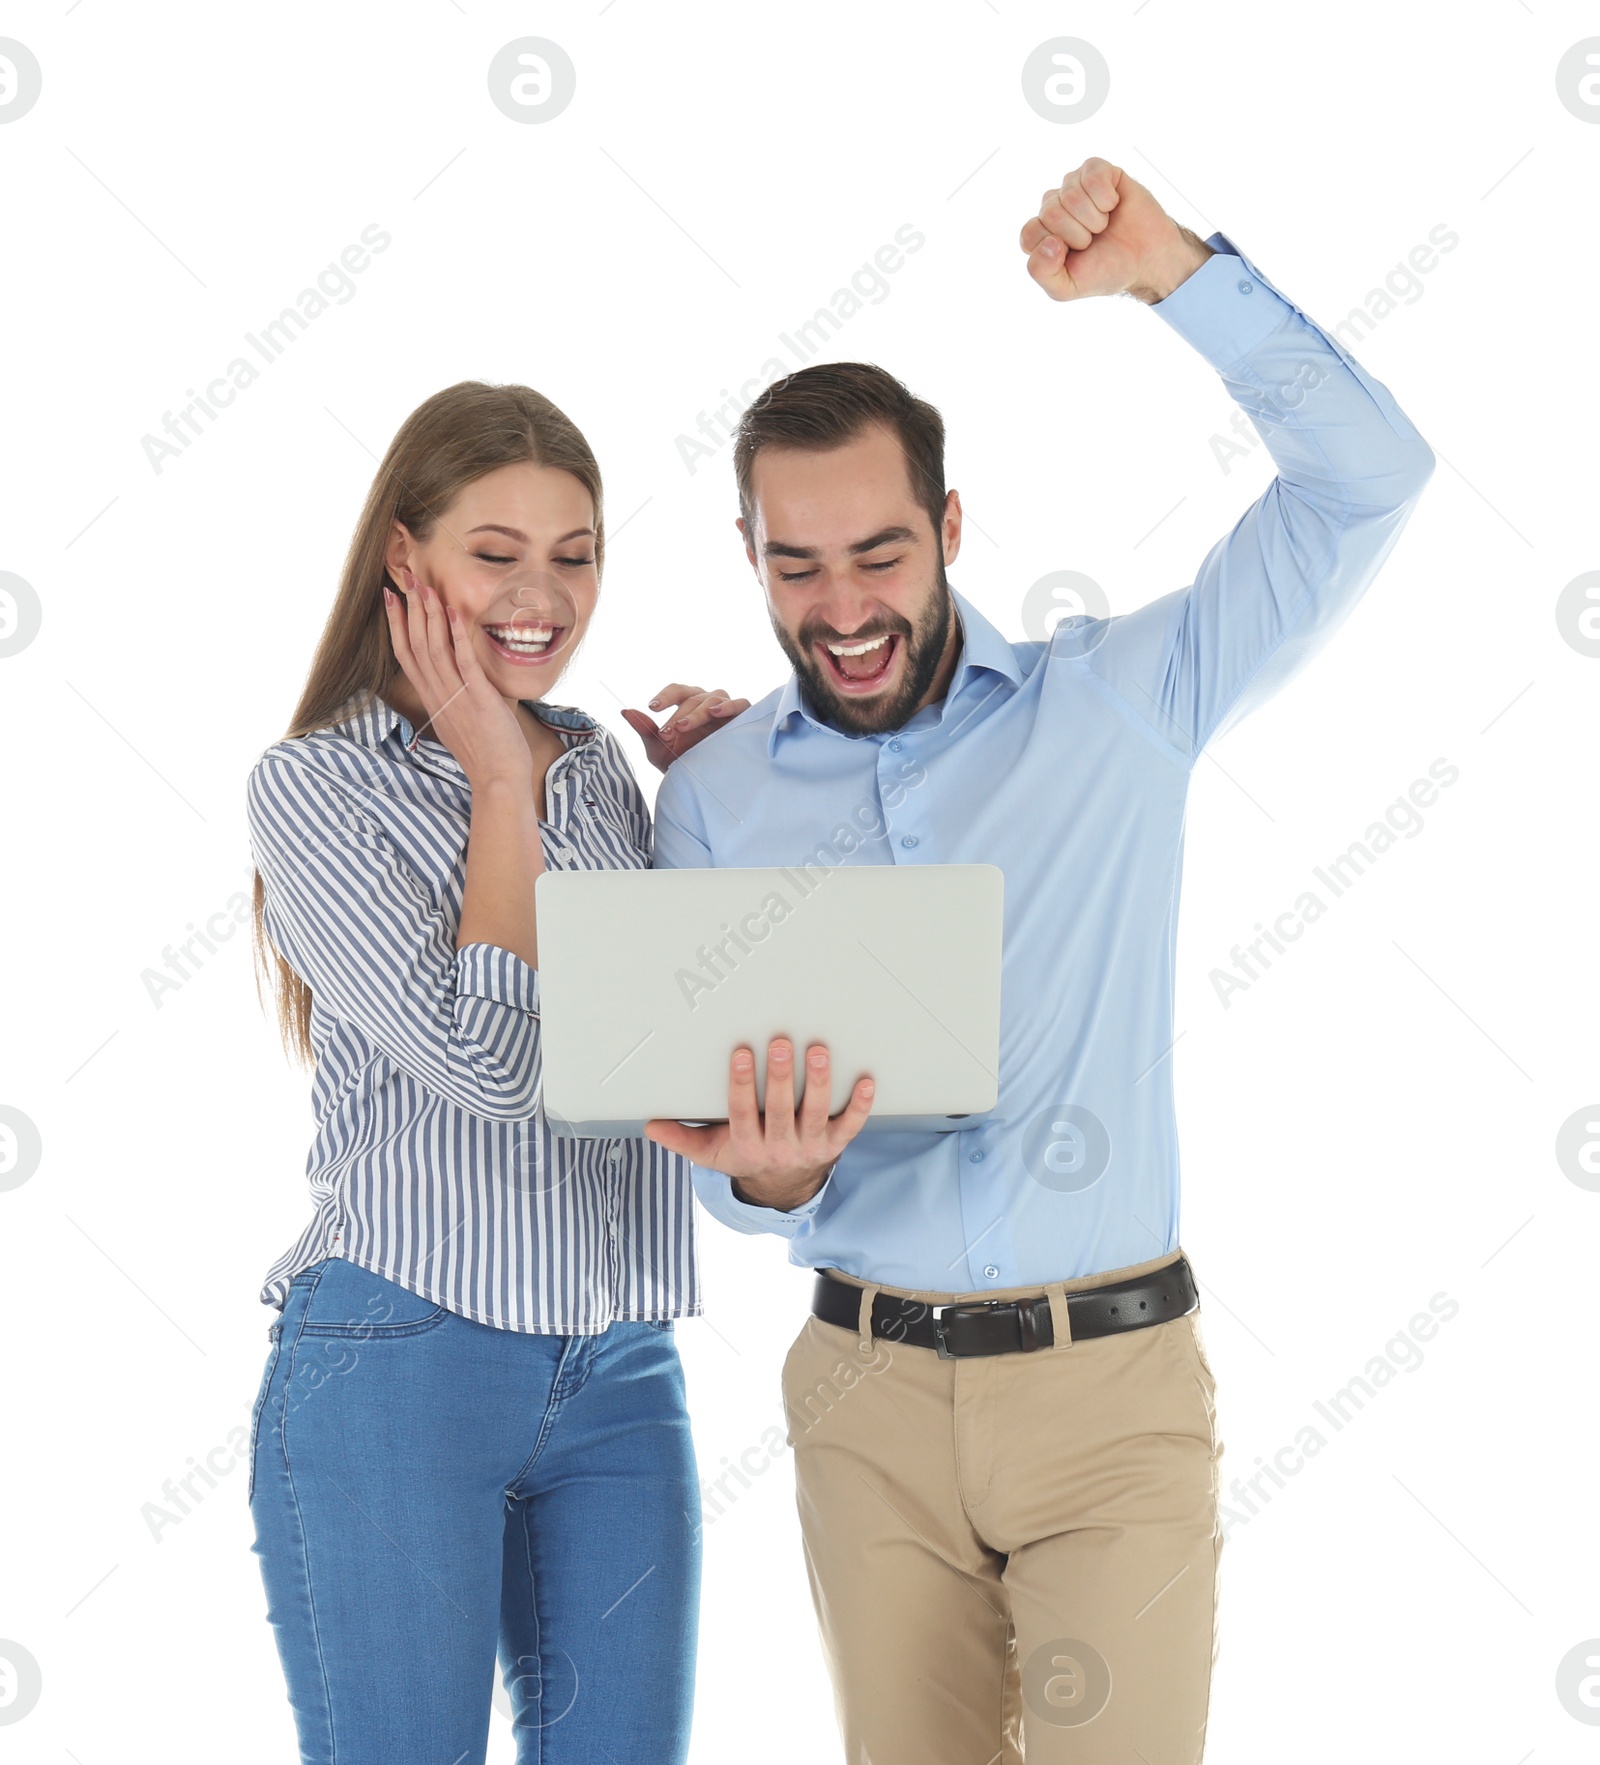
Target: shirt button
{"type": "Point", "coordinates": [894, 746]}
{"type": "Point", "coordinates": [1245, 287]}
{"type": "Point", "coordinates": [991, 1273]}
{"type": "Point", "coordinates": [976, 1157]}
{"type": "Point", "coordinates": [909, 840]}
{"type": "Point", "coordinates": [615, 1155]}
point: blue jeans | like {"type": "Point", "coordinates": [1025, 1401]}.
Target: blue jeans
{"type": "Point", "coordinates": [426, 1489]}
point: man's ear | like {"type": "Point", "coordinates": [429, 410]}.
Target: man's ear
{"type": "Point", "coordinates": [951, 527]}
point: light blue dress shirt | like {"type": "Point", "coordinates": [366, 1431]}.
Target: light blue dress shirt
{"type": "Point", "coordinates": [1067, 764]}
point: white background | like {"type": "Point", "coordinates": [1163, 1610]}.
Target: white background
{"type": "Point", "coordinates": [1370, 1124]}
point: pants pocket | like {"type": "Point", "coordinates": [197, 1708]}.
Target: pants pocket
{"type": "Point", "coordinates": [786, 1379]}
{"type": "Point", "coordinates": [1197, 1335]}
{"type": "Point", "coordinates": [276, 1332]}
{"type": "Point", "coordinates": [350, 1301]}
{"type": "Point", "coordinates": [1185, 1335]}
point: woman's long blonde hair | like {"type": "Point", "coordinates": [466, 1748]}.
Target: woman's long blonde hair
{"type": "Point", "coordinates": [446, 443]}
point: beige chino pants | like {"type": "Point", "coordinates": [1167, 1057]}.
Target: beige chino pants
{"type": "Point", "coordinates": [1012, 1557]}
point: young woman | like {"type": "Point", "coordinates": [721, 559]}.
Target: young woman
{"type": "Point", "coordinates": [470, 1435]}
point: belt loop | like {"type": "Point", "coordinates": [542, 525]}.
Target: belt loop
{"type": "Point", "coordinates": [1060, 1318]}
{"type": "Point", "coordinates": [869, 1293]}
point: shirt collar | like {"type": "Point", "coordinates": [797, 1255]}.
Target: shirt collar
{"type": "Point", "coordinates": [371, 720]}
{"type": "Point", "coordinates": [983, 650]}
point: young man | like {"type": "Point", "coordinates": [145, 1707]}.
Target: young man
{"type": "Point", "coordinates": [1010, 1505]}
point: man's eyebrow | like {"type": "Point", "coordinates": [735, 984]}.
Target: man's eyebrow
{"type": "Point", "coordinates": [888, 536]}
{"type": "Point", "coordinates": [517, 533]}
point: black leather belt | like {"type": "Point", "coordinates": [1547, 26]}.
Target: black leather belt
{"type": "Point", "coordinates": [1010, 1326]}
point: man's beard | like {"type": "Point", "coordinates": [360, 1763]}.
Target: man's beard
{"type": "Point", "coordinates": [924, 645]}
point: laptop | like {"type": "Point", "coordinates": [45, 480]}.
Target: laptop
{"type": "Point", "coordinates": [649, 979]}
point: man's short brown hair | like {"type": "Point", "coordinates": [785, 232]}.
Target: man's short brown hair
{"type": "Point", "coordinates": [822, 407]}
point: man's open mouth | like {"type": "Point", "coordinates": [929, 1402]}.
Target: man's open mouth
{"type": "Point", "coordinates": [860, 664]}
{"type": "Point", "coordinates": [530, 642]}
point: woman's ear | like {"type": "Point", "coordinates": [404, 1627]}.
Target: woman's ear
{"type": "Point", "coordinates": [397, 554]}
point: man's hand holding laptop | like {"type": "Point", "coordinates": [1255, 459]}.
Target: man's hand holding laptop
{"type": "Point", "coordinates": [782, 1158]}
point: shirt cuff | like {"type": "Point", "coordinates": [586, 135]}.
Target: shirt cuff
{"type": "Point", "coordinates": [1226, 307]}
{"type": "Point", "coordinates": [486, 971]}
{"type": "Point", "coordinates": [770, 1219]}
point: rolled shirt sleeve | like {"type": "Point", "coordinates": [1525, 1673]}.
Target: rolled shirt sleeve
{"type": "Point", "coordinates": [366, 936]}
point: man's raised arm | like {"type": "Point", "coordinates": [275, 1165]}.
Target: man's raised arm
{"type": "Point", "coordinates": [1350, 463]}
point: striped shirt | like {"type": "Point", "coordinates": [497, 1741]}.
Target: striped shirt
{"type": "Point", "coordinates": [432, 1164]}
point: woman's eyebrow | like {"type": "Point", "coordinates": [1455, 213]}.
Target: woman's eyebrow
{"type": "Point", "coordinates": [517, 533]}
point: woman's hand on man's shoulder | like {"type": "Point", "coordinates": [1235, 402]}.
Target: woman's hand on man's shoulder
{"type": "Point", "coordinates": [696, 715]}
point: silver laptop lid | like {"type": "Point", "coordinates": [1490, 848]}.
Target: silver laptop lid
{"type": "Point", "coordinates": [649, 979]}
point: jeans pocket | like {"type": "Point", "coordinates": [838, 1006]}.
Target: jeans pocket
{"type": "Point", "coordinates": [351, 1301]}
{"type": "Point", "coordinates": [260, 1404]}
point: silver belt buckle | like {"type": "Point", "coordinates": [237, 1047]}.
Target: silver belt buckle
{"type": "Point", "coordinates": [938, 1311]}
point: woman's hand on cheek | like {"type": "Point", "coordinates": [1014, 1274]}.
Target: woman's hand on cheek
{"type": "Point", "coordinates": [465, 710]}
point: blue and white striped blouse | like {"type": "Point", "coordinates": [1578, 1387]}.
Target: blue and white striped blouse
{"type": "Point", "coordinates": [432, 1164]}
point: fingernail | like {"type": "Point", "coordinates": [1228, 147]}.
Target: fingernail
{"type": "Point", "coordinates": [867, 1087]}
{"type": "Point", "coordinates": [1051, 247]}
{"type": "Point", "coordinates": [819, 1057]}
{"type": "Point", "coordinates": [655, 704]}
{"type": "Point", "coordinates": [744, 1060]}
